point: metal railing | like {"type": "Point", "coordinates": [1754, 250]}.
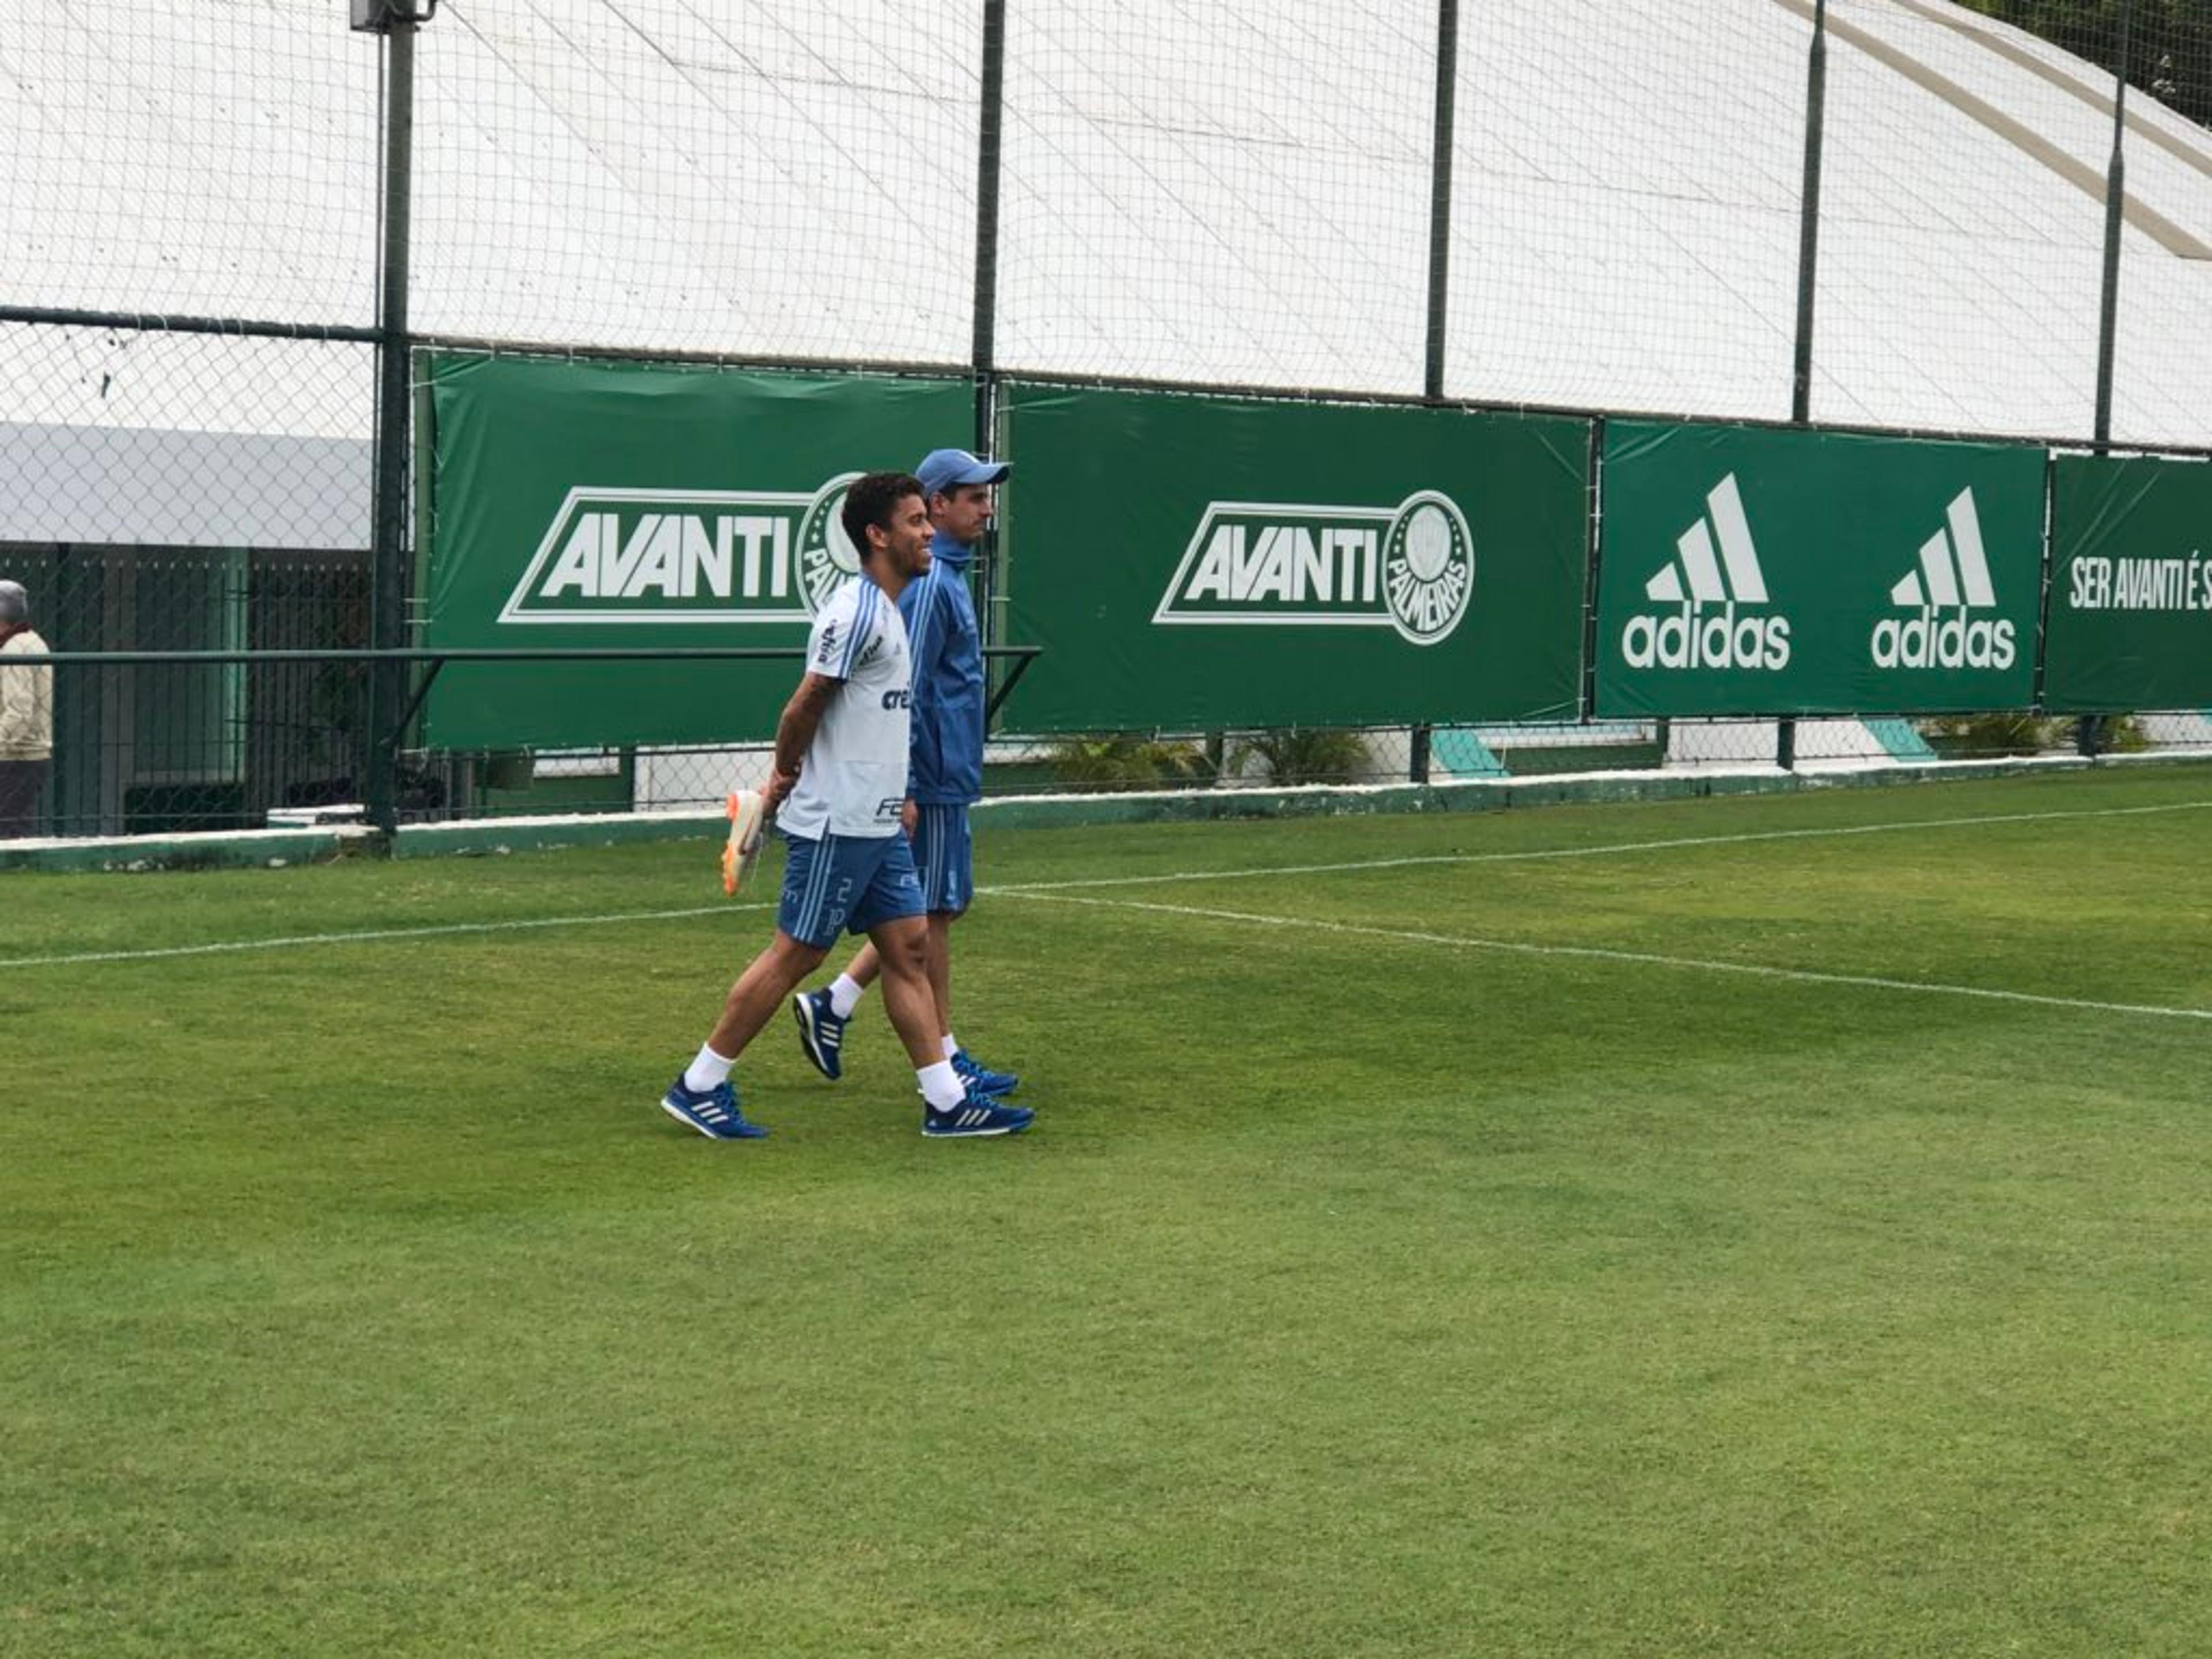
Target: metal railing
{"type": "Point", "coordinates": [190, 752]}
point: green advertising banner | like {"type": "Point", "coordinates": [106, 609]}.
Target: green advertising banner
{"type": "Point", "coordinates": [590, 506]}
{"type": "Point", "coordinates": [1749, 571]}
{"type": "Point", "coordinates": [1190, 563]}
{"type": "Point", "coordinates": [2131, 623]}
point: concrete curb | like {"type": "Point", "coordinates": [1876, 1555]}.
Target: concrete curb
{"type": "Point", "coordinates": [492, 838]}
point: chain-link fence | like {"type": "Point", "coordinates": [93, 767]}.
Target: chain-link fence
{"type": "Point", "coordinates": [1900, 214]}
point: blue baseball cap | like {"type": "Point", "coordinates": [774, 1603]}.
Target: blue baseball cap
{"type": "Point", "coordinates": [945, 469]}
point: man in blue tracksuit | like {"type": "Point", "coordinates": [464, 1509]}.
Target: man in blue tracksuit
{"type": "Point", "coordinates": [944, 774]}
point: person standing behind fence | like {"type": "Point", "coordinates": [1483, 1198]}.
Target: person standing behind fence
{"type": "Point", "coordinates": [945, 777]}
{"type": "Point", "coordinates": [26, 716]}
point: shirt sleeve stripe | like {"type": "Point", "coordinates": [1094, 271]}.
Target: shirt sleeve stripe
{"type": "Point", "coordinates": [863, 618]}
{"type": "Point", "coordinates": [859, 621]}
{"type": "Point", "coordinates": [925, 616]}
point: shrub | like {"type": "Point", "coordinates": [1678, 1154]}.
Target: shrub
{"type": "Point", "coordinates": [1316, 755]}
{"type": "Point", "coordinates": [1967, 735]}
{"type": "Point", "coordinates": [1127, 764]}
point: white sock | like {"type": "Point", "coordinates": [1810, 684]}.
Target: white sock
{"type": "Point", "coordinates": [845, 994]}
{"type": "Point", "coordinates": [941, 1086]}
{"type": "Point", "coordinates": [951, 1045]}
{"type": "Point", "coordinates": [709, 1071]}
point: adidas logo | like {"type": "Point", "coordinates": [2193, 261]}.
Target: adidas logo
{"type": "Point", "coordinates": [1716, 564]}
{"type": "Point", "coordinates": [1950, 583]}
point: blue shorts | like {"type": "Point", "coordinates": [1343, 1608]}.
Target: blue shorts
{"type": "Point", "coordinates": [846, 883]}
{"type": "Point", "coordinates": [944, 855]}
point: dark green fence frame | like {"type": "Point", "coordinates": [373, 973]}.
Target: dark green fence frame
{"type": "Point", "coordinates": [387, 740]}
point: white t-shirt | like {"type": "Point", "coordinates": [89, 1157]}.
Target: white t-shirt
{"type": "Point", "coordinates": [854, 779]}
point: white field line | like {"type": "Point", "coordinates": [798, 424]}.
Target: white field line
{"type": "Point", "coordinates": [1602, 850]}
{"type": "Point", "coordinates": [372, 935]}
{"type": "Point", "coordinates": [1596, 953]}
{"type": "Point", "coordinates": [1027, 889]}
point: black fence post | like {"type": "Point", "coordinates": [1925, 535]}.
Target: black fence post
{"type": "Point", "coordinates": [2040, 686]}
{"type": "Point", "coordinates": [1440, 202]}
{"type": "Point", "coordinates": [2116, 196]}
{"type": "Point", "coordinates": [983, 347]}
{"type": "Point", "coordinates": [1440, 196]}
{"type": "Point", "coordinates": [2088, 732]}
{"type": "Point", "coordinates": [1809, 216]}
{"type": "Point", "coordinates": [388, 532]}
{"type": "Point", "coordinates": [1593, 558]}
{"type": "Point", "coordinates": [1809, 278]}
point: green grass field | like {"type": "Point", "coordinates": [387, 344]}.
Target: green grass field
{"type": "Point", "coordinates": [1449, 1252]}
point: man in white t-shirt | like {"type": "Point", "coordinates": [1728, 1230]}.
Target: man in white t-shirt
{"type": "Point", "coordinates": [840, 779]}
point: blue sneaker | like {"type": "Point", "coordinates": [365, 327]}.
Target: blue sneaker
{"type": "Point", "coordinates": [982, 1079]}
{"type": "Point", "coordinates": [821, 1033]}
{"type": "Point", "coordinates": [714, 1114]}
{"type": "Point", "coordinates": [977, 1115]}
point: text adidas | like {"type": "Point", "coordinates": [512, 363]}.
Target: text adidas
{"type": "Point", "coordinates": [1933, 640]}
{"type": "Point", "coordinates": [1694, 638]}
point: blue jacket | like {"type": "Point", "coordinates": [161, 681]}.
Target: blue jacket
{"type": "Point", "coordinates": [945, 759]}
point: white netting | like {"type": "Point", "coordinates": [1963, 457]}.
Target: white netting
{"type": "Point", "coordinates": [216, 159]}
{"type": "Point", "coordinates": [767, 180]}
{"type": "Point", "coordinates": [1234, 192]}
{"type": "Point", "coordinates": [1624, 231]}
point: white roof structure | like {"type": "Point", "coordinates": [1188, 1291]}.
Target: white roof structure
{"type": "Point", "coordinates": [129, 485]}
{"type": "Point", "coordinates": [1633, 239]}
{"type": "Point", "coordinates": [1228, 192]}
